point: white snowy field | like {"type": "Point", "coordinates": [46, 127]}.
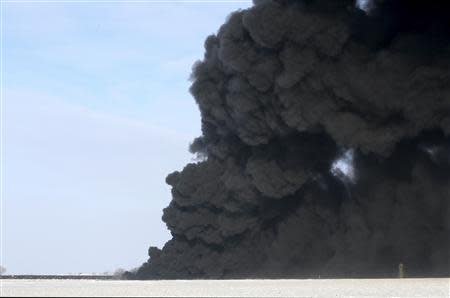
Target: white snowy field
{"type": "Point", "coordinates": [430, 288]}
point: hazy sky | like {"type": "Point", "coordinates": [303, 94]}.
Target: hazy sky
{"type": "Point", "coordinates": [96, 113]}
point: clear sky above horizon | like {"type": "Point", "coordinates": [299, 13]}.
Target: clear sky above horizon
{"type": "Point", "coordinates": [96, 113]}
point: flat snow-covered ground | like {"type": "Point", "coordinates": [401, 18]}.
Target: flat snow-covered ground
{"type": "Point", "coordinates": [433, 287]}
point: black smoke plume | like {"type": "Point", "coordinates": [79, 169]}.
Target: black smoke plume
{"type": "Point", "coordinates": [325, 145]}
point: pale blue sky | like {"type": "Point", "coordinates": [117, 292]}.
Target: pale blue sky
{"type": "Point", "coordinates": [96, 113]}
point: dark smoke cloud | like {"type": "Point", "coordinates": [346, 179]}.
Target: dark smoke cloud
{"type": "Point", "coordinates": [287, 89]}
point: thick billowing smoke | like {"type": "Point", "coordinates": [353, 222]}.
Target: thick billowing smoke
{"type": "Point", "coordinates": [325, 146]}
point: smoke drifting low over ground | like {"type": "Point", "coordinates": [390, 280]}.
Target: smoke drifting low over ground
{"type": "Point", "coordinates": [325, 146]}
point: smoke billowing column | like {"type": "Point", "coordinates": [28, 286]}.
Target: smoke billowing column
{"type": "Point", "coordinates": [287, 91]}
